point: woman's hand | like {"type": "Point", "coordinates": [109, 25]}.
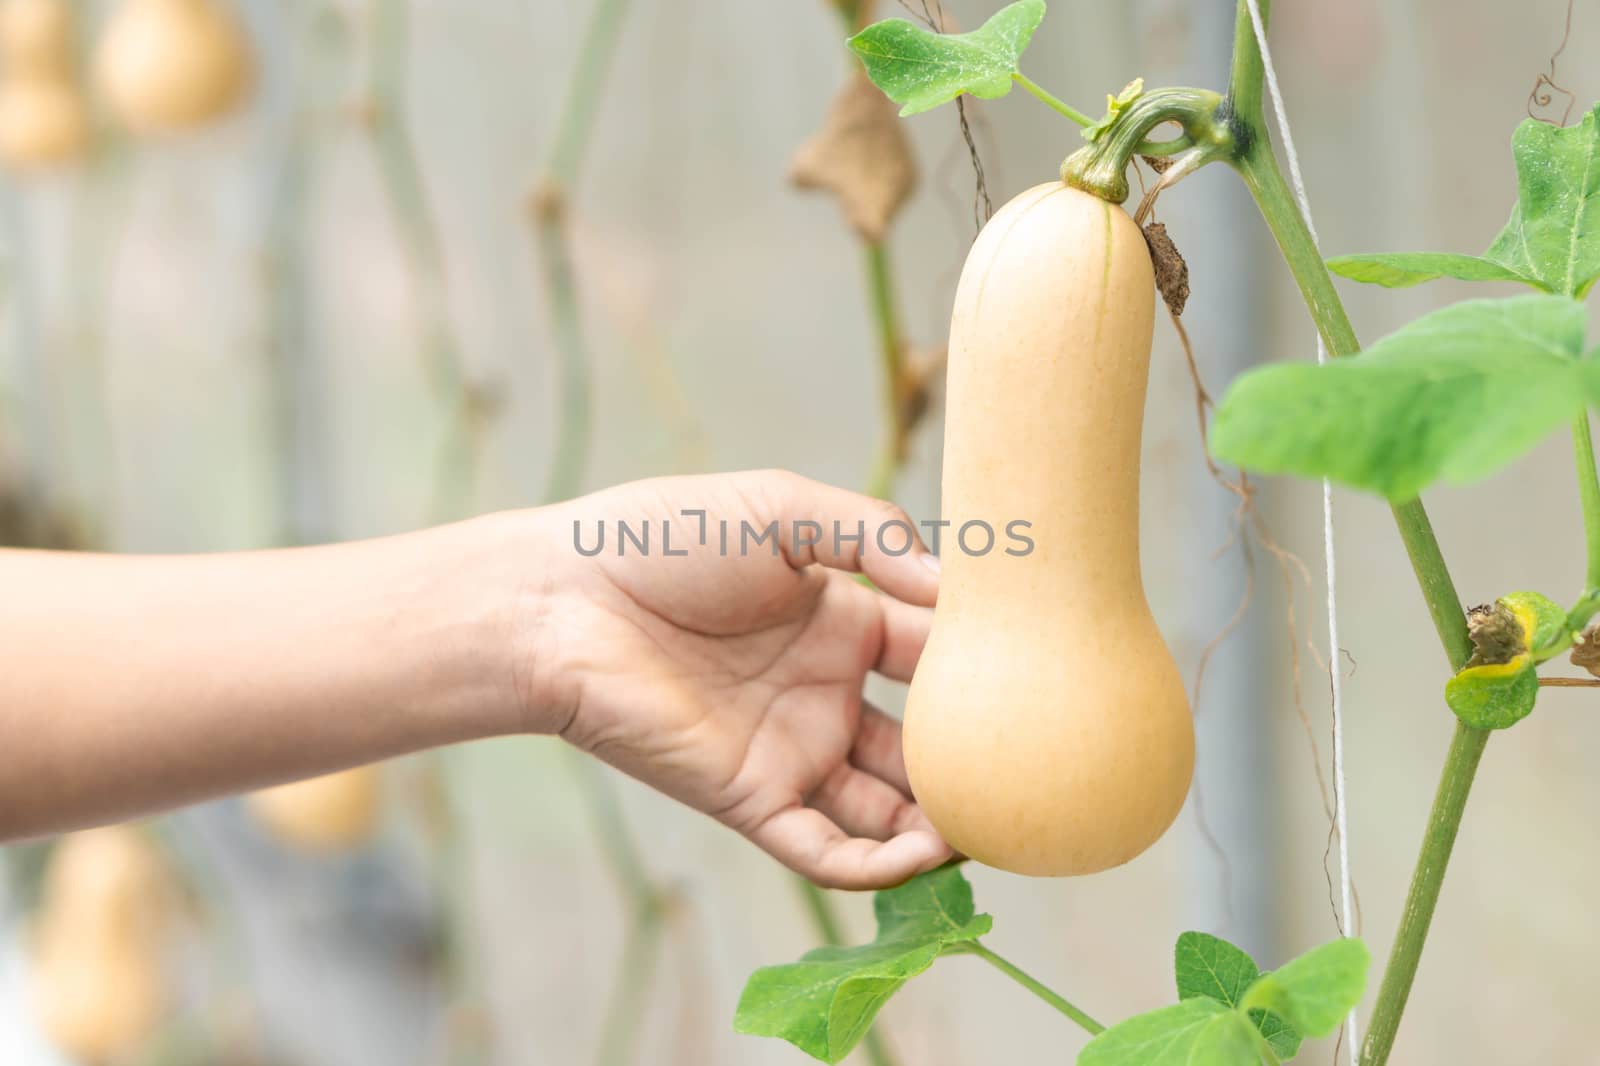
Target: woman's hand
{"type": "Point", "coordinates": [728, 673]}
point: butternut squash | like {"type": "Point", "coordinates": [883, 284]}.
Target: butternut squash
{"type": "Point", "coordinates": [97, 984]}
{"type": "Point", "coordinates": [169, 65]}
{"type": "Point", "coordinates": [43, 117]}
{"type": "Point", "coordinates": [1047, 729]}
{"type": "Point", "coordinates": [322, 814]}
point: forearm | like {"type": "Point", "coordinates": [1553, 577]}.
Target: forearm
{"type": "Point", "coordinates": [129, 684]}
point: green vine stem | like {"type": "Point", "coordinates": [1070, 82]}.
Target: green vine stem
{"type": "Point", "coordinates": [1032, 984]}
{"type": "Point", "coordinates": [1257, 165]}
{"type": "Point", "coordinates": [466, 404]}
{"type": "Point", "coordinates": [97, 227]}
{"type": "Point", "coordinates": [902, 392]}
{"type": "Point", "coordinates": [549, 213]}
{"type": "Point", "coordinates": [1444, 821]}
{"type": "Point", "coordinates": [1589, 493]}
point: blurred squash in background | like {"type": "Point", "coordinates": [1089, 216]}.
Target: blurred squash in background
{"type": "Point", "coordinates": [170, 65]}
{"type": "Point", "coordinates": [44, 120]}
{"type": "Point", "coordinates": [98, 987]}
{"type": "Point", "coordinates": [322, 814]}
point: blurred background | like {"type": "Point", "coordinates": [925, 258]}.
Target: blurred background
{"type": "Point", "coordinates": [283, 271]}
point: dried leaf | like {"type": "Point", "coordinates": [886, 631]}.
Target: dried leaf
{"type": "Point", "coordinates": [861, 155]}
{"type": "Point", "coordinates": [1172, 273]}
{"type": "Point", "coordinates": [1586, 650]}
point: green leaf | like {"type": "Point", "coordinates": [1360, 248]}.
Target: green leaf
{"type": "Point", "coordinates": [1495, 695]}
{"type": "Point", "coordinates": [1552, 241]}
{"type": "Point", "coordinates": [825, 1003]}
{"type": "Point", "coordinates": [1314, 992]}
{"type": "Point", "coordinates": [1455, 395]}
{"type": "Point", "coordinates": [1554, 232]}
{"type": "Point", "coordinates": [1543, 621]}
{"type": "Point", "coordinates": [1196, 1032]}
{"type": "Point", "coordinates": [1209, 966]}
{"type": "Point", "coordinates": [1401, 270]}
{"type": "Point", "coordinates": [920, 70]}
{"type": "Point", "coordinates": [1279, 1034]}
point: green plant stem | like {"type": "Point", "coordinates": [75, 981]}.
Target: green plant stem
{"type": "Point", "coordinates": [891, 351]}
{"type": "Point", "coordinates": [641, 952]}
{"type": "Point", "coordinates": [1055, 104]}
{"type": "Point", "coordinates": [574, 416]}
{"type": "Point", "coordinates": [586, 90]}
{"type": "Point", "coordinates": [616, 839]}
{"type": "Point", "coordinates": [1589, 493]}
{"type": "Point", "coordinates": [1444, 821]}
{"type": "Point", "coordinates": [823, 920]}
{"type": "Point", "coordinates": [1259, 169]}
{"type": "Point", "coordinates": [1248, 74]}
{"type": "Point", "coordinates": [574, 412]}
{"type": "Point", "coordinates": [1050, 996]}
{"type": "Point", "coordinates": [403, 185]}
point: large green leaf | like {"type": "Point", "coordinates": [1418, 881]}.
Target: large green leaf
{"type": "Point", "coordinates": [1316, 991]}
{"type": "Point", "coordinates": [1401, 270]}
{"type": "Point", "coordinates": [1552, 241]}
{"type": "Point", "coordinates": [1209, 966]}
{"type": "Point", "coordinates": [1454, 395]}
{"type": "Point", "coordinates": [1554, 231]}
{"type": "Point", "coordinates": [1196, 1032]}
{"type": "Point", "coordinates": [825, 1003]}
{"type": "Point", "coordinates": [920, 70]}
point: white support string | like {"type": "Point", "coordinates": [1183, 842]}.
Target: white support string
{"type": "Point", "coordinates": [1335, 671]}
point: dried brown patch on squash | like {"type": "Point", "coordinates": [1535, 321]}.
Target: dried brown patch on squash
{"type": "Point", "coordinates": [860, 155]}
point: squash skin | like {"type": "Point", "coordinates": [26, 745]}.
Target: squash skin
{"type": "Point", "coordinates": [165, 66]}
{"type": "Point", "coordinates": [332, 813]}
{"type": "Point", "coordinates": [98, 988]}
{"type": "Point", "coordinates": [1047, 729]}
{"type": "Point", "coordinates": [44, 119]}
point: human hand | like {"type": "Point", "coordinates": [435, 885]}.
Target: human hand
{"type": "Point", "coordinates": [730, 677]}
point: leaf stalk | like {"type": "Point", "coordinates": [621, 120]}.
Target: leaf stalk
{"type": "Point", "coordinates": [1032, 984]}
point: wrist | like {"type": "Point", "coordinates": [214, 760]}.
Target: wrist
{"type": "Point", "coordinates": [520, 567]}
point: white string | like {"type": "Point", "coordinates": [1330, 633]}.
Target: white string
{"type": "Point", "coordinates": [1335, 671]}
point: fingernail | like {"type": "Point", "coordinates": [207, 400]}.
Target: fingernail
{"type": "Point", "coordinates": [931, 561]}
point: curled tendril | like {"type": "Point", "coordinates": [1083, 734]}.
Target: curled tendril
{"type": "Point", "coordinates": [1546, 89]}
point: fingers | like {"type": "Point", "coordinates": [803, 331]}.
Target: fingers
{"type": "Point", "coordinates": [845, 530]}
{"type": "Point", "coordinates": [905, 632]}
{"type": "Point", "coordinates": [877, 749]}
{"type": "Point", "coordinates": [865, 805]}
{"type": "Point", "coordinates": [808, 843]}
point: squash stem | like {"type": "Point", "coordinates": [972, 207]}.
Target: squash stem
{"type": "Point", "coordinates": [1055, 999]}
{"type": "Point", "coordinates": [1259, 168]}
